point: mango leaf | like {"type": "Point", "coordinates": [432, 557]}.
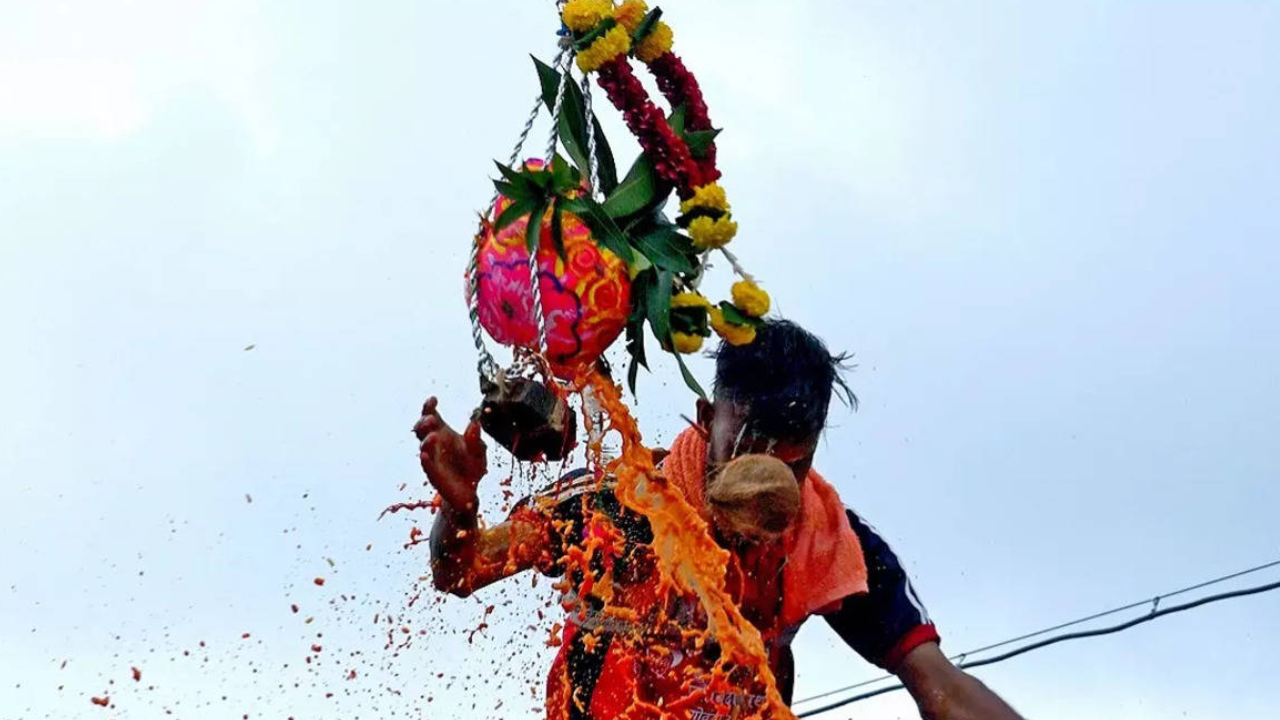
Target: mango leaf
{"type": "Point", "coordinates": [639, 263]}
{"type": "Point", "coordinates": [603, 228]}
{"type": "Point", "coordinates": [676, 120]}
{"type": "Point", "coordinates": [689, 379]}
{"type": "Point", "coordinates": [667, 248]}
{"type": "Point", "coordinates": [690, 321]}
{"type": "Point", "coordinates": [533, 234]}
{"type": "Point", "coordinates": [514, 212]}
{"type": "Point", "coordinates": [573, 133]}
{"type": "Point", "coordinates": [564, 177]}
{"type": "Point", "coordinates": [636, 191]}
{"type": "Point", "coordinates": [557, 227]}
{"type": "Point", "coordinates": [646, 25]}
{"type": "Point", "coordinates": [658, 308]}
{"type": "Point", "coordinates": [736, 316]}
{"type": "Point", "coordinates": [635, 347]}
{"type": "Point", "coordinates": [596, 33]}
{"type": "Point", "coordinates": [641, 284]}
{"type": "Point", "coordinates": [699, 141]}
{"type": "Point", "coordinates": [514, 177]}
{"type": "Point", "coordinates": [512, 191]}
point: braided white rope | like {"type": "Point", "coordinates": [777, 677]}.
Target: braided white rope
{"type": "Point", "coordinates": [592, 159]}
{"type": "Point", "coordinates": [535, 224]}
{"type": "Point", "coordinates": [485, 364]}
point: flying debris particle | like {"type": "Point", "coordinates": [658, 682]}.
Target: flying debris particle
{"type": "Point", "coordinates": [250, 347]}
{"type": "Point", "coordinates": [294, 608]}
{"type": "Point", "coordinates": [330, 561]}
{"type": "Point", "coordinates": [248, 498]}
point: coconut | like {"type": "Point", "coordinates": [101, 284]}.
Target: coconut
{"type": "Point", "coordinates": [754, 496]}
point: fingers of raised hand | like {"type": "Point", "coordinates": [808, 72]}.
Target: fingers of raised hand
{"type": "Point", "coordinates": [428, 424]}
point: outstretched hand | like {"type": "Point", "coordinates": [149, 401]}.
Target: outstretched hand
{"type": "Point", "coordinates": [454, 462]}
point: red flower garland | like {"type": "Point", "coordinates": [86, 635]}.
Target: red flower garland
{"type": "Point", "coordinates": [680, 87]}
{"type": "Point", "coordinates": [670, 155]}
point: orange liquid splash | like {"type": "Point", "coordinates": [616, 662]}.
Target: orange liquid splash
{"type": "Point", "coordinates": [689, 559]}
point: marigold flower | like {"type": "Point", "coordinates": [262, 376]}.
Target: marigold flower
{"type": "Point", "coordinates": [689, 299]}
{"type": "Point", "coordinates": [750, 299]}
{"type": "Point", "coordinates": [613, 44]}
{"type": "Point", "coordinates": [685, 343]}
{"type": "Point", "coordinates": [630, 13]}
{"type": "Point", "coordinates": [732, 333]}
{"type": "Point", "coordinates": [711, 197]}
{"type": "Point", "coordinates": [708, 233]}
{"type": "Point", "coordinates": [583, 15]}
{"type": "Point", "coordinates": [655, 44]}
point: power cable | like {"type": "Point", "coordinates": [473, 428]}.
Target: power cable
{"type": "Point", "coordinates": [1155, 613]}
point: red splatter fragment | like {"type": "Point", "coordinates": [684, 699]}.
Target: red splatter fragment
{"type": "Point", "coordinates": [315, 648]}
{"type": "Point", "coordinates": [294, 608]}
{"type": "Point", "coordinates": [100, 701]}
{"type": "Point", "coordinates": [351, 675]}
{"type": "Point", "coordinates": [137, 674]}
{"type": "Point", "coordinates": [319, 581]}
{"type": "Point", "coordinates": [244, 636]}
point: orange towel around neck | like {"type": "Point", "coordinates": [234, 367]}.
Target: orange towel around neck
{"type": "Point", "coordinates": [824, 559]}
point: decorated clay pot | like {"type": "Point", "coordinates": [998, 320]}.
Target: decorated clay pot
{"type": "Point", "coordinates": [586, 297]}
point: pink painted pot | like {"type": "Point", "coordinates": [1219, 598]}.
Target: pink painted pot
{"type": "Point", "coordinates": [586, 297]}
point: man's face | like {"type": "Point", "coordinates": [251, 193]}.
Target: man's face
{"type": "Point", "coordinates": [726, 421]}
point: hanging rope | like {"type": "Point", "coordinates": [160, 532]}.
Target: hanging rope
{"type": "Point", "coordinates": [592, 159]}
{"type": "Point", "coordinates": [485, 364]}
{"type": "Point", "coordinates": [535, 224]}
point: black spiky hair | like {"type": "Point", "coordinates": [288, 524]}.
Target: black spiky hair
{"type": "Point", "coordinates": [786, 378]}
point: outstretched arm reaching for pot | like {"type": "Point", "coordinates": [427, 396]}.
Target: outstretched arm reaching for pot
{"type": "Point", "coordinates": [464, 556]}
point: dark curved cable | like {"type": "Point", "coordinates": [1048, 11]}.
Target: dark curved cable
{"type": "Point", "coordinates": [1062, 638]}
{"type": "Point", "coordinates": [1153, 601]}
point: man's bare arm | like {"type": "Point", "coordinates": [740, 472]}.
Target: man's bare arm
{"type": "Point", "coordinates": [943, 691]}
{"type": "Point", "coordinates": [464, 556]}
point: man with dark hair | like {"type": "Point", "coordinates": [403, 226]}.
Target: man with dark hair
{"type": "Point", "coordinates": [770, 404]}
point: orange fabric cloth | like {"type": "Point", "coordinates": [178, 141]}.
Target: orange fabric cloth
{"type": "Point", "coordinates": [825, 563]}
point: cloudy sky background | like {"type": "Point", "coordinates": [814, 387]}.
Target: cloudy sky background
{"type": "Point", "coordinates": [1047, 230]}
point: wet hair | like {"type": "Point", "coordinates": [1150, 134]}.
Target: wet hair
{"type": "Point", "coordinates": [785, 379]}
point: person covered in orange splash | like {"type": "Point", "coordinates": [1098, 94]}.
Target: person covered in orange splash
{"type": "Point", "coordinates": [795, 551]}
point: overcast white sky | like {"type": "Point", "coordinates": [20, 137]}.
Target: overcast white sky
{"type": "Point", "coordinates": [1047, 230]}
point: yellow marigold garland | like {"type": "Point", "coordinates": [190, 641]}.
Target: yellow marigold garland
{"type": "Point", "coordinates": [712, 227]}
{"type": "Point", "coordinates": [615, 43]}
{"type": "Point", "coordinates": [630, 13]}
{"type": "Point", "coordinates": [708, 233]}
{"type": "Point", "coordinates": [685, 343]}
{"type": "Point", "coordinates": [732, 333]}
{"type": "Point", "coordinates": [583, 15]}
{"type": "Point", "coordinates": [689, 300]}
{"type": "Point", "coordinates": [711, 197]}
{"type": "Point", "coordinates": [750, 298]}
{"type": "Point", "coordinates": [655, 44]}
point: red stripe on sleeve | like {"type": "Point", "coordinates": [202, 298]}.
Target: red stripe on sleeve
{"type": "Point", "coordinates": [914, 638]}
